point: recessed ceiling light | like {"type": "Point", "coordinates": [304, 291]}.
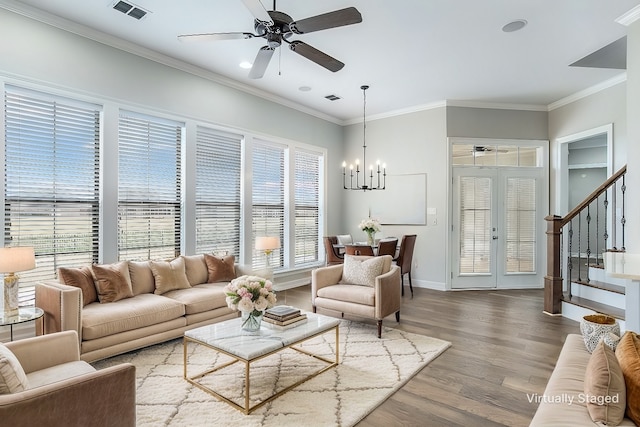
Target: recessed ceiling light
{"type": "Point", "coordinates": [304, 88]}
{"type": "Point", "coordinates": [516, 25]}
{"type": "Point", "coordinates": [246, 65]}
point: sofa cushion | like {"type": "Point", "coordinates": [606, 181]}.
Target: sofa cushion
{"type": "Point", "coordinates": [99, 320]}
{"type": "Point", "coordinates": [360, 271]}
{"type": "Point", "coordinates": [12, 377]}
{"type": "Point", "coordinates": [169, 275]}
{"type": "Point", "coordinates": [200, 297]}
{"type": "Point", "coordinates": [142, 281]}
{"type": "Point", "coordinates": [80, 278]}
{"type": "Point", "coordinates": [349, 293]}
{"type": "Point", "coordinates": [628, 354]}
{"type": "Point", "coordinates": [196, 269]}
{"type": "Point", "coordinates": [221, 269]}
{"type": "Point", "coordinates": [112, 281]}
{"type": "Point", "coordinates": [604, 387]}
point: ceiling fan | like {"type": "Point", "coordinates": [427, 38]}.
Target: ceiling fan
{"type": "Point", "coordinates": [277, 27]}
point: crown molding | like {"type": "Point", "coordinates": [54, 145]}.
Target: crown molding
{"type": "Point", "coordinates": [118, 43]}
{"type": "Point", "coordinates": [399, 112]}
{"type": "Point", "coordinates": [630, 17]}
{"type": "Point", "coordinates": [496, 105]}
{"type": "Point", "coordinates": [620, 78]}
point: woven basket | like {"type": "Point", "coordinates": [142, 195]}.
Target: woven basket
{"type": "Point", "coordinates": [596, 327]}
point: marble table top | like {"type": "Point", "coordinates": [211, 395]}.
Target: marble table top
{"type": "Point", "coordinates": [228, 336]}
{"type": "Point", "coordinates": [622, 265]}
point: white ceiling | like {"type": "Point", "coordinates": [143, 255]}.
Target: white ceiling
{"type": "Point", "coordinates": [413, 53]}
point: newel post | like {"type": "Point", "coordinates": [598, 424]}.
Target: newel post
{"type": "Point", "coordinates": [553, 279]}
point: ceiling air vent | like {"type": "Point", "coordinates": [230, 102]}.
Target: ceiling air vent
{"type": "Point", "coordinates": [332, 97]}
{"type": "Point", "coordinates": [130, 9]}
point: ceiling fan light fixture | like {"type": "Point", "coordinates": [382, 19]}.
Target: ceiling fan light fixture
{"type": "Point", "coordinates": [516, 25]}
{"type": "Point", "coordinates": [246, 65]}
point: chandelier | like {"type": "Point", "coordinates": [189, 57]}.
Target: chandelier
{"type": "Point", "coordinates": [378, 171]}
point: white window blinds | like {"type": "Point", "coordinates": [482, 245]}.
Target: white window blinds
{"type": "Point", "coordinates": [218, 173]}
{"type": "Point", "coordinates": [268, 199]}
{"type": "Point", "coordinates": [306, 194]}
{"type": "Point", "coordinates": [521, 225]}
{"type": "Point", "coordinates": [149, 172]}
{"type": "Point", "coordinates": [51, 181]}
{"type": "Point", "coordinates": [475, 224]}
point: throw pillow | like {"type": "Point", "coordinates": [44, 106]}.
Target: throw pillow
{"type": "Point", "coordinates": [12, 377]}
{"type": "Point", "coordinates": [196, 269]}
{"type": "Point", "coordinates": [141, 277]}
{"type": "Point", "coordinates": [628, 354]}
{"type": "Point", "coordinates": [604, 387]}
{"type": "Point", "coordinates": [112, 281]}
{"type": "Point", "coordinates": [169, 276]}
{"type": "Point", "coordinates": [361, 271]}
{"type": "Point", "coordinates": [221, 269]}
{"type": "Point", "coordinates": [80, 278]}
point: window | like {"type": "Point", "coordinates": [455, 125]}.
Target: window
{"type": "Point", "coordinates": [149, 153]}
{"type": "Point", "coordinates": [306, 184]}
{"type": "Point", "coordinates": [268, 199]}
{"type": "Point", "coordinates": [51, 181]}
{"type": "Point", "coordinates": [218, 173]}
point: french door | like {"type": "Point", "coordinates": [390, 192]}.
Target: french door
{"type": "Point", "coordinates": [497, 227]}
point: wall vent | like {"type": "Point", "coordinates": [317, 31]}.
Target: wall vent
{"type": "Point", "coordinates": [130, 9]}
{"type": "Point", "coordinates": [332, 97]}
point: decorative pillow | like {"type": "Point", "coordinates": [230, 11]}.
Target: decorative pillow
{"type": "Point", "coordinates": [604, 387]}
{"type": "Point", "coordinates": [12, 376]}
{"type": "Point", "coordinates": [628, 354]}
{"type": "Point", "coordinates": [80, 278]}
{"type": "Point", "coordinates": [196, 269]}
{"type": "Point", "coordinates": [141, 277]}
{"type": "Point", "coordinates": [169, 276]}
{"type": "Point", "coordinates": [361, 271]}
{"type": "Point", "coordinates": [112, 281]}
{"type": "Point", "coordinates": [221, 269]}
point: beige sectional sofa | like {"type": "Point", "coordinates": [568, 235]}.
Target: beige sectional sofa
{"type": "Point", "coordinates": [160, 306]}
{"type": "Point", "coordinates": [562, 403]}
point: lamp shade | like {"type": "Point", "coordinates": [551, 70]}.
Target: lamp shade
{"type": "Point", "coordinates": [19, 258]}
{"type": "Point", "coordinates": [266, 243]}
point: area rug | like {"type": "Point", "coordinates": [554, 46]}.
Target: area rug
{"type": "Point", "coordinates": [370, 370]}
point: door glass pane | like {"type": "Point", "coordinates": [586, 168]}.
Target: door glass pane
{"type": "Point", "coordinates": [521, 226]}
{"type": "Point", "coordinates": [529, 156]}
{"type": "Point", "coordinates": [462, 154]}
{"type": "Point", "coordinates": [475, 225]}
{"type": "Point", "coordinates": [507, 155]}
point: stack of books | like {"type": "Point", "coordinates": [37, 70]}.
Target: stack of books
{"type": "Point", "coordinates": [283, 317]}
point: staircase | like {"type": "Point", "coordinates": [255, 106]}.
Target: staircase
{"type": "Point", "coordinates": [576, 283]}
{"type": "Point", "coordinates": [601, 294]}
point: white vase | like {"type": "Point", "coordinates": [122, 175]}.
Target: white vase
{"type": "Point", "coordinates": [597, 327]}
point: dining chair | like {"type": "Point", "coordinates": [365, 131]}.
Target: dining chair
{"type": "Point", "coordinates": [358, 250]}
{"type": "Point", "coordinates": [344, 239]}
{"type": "Point", "coordinates": [387, 247]}
{"type": "Point", "coordinates": [333, 256]}
{"type": "Point", "coordinates": [405, 258]}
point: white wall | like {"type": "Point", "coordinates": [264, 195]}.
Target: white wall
{"type": "Point", "coordinates": [409, 144]}
{"type": "Point", "coordinates": [599, 109]}
{"type": "Point", "coordinates": [41, 56]}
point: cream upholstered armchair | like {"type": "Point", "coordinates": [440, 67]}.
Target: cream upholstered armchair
{"type": "Point", "coordinates": [43, 382]}
{"type": "Point", "coordinates": [363, 286]}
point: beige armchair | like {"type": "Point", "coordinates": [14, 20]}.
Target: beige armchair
{"type": "Point", "coordinates": [64, 391]}
{"type": "Point", "coordinates": [333, 291]}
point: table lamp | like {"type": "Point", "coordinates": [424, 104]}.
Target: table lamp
{"type": "Point", "coordinates": [267, 244]}
{"type": "Point", "coordinates": [13, 259]}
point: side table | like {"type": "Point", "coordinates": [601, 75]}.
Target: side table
{"type": "Point", "coordinates": [25, 314]}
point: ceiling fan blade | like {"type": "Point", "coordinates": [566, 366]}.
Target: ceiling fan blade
{"type": "Point", "coordinates": [313, 54]}
{"type": "Point", "coordinates": [261, 62]}
{"type": "Point", "coordinates": [337, 18]}
{"type": "Point", "coordinates": [257, 9]}
{"type": "Point", "coordinates": [214, 36]}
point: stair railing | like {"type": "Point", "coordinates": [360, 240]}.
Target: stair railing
{"type": "Point", "coordinates": [575, 241]}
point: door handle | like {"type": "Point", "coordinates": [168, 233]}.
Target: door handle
{"type": "Point", "coordinates": [495, 237]}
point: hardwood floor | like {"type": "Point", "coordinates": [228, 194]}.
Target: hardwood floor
{"type": "Point", "coordinates": [503, 348]}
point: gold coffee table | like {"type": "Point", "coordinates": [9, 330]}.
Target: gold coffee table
{"type": "Point", "coordinates": [228, 338]}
